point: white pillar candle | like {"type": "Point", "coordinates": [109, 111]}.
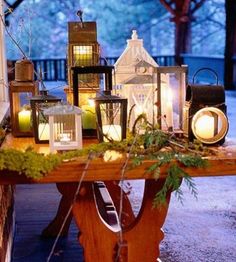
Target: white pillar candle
{"type": "Point", "coordinates": [169, 109]}
{"type": "Point", "coordinates": [113, 132]}
{"type": "Point", "coordinates": [43, 131]}
{"type": "Point", "coordinates": [205, 127]}
{"type": "Point", "coordinates": [24, 118]}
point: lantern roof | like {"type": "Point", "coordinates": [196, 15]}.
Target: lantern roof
{"type": "Point", "coordinates": [134, 53]}
{"type": "Point", "coordinates": [63, 109]}
{"type": "Point", "coordinates": [139, 79]}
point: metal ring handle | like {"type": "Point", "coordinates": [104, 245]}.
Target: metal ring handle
{"type": "Point", "coordinates": [209, 69]}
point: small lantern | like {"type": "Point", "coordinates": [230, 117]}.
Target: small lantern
{"type": "Point", "coordinates": [64, 127]}
{"type": "Point", "coordinates": [111, 117]}
{"type": "Point", "coordinates": [205, 112]}
{"type": "Point", "coordinates": [40, 122]}
{"type": "Point", "coordinates": [19, 96]}
{"type": "Point", "coordinates": [135, 80]}
{"type": "Point", "coordinates": [171, 89]}
{"type": "Point", "coordinates": [82, 96]}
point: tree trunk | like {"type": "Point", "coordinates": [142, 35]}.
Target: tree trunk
{"type": "Point", "coordinates": [182, 40]}
{"type": "Point", "coordinates": [230, 43]}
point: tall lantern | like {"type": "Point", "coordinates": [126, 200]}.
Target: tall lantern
{"type": "Point", "coordinates": [40, 121]}
{"type": "Point", "coordinates": [135, 80]}
{"type": "Point", "coordinates": [83, 50]}
{"type": "Point", "coordinates": [64, 127]}
{"type": "Point", "coordinates": [19, 96]}
{"type": "Point", "coordinates": [171, 86]}
{"type": "Point", "coordinates": [111, 114]}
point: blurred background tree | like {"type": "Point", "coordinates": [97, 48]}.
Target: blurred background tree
{"type": "Point", "coordinates": [40, 26]}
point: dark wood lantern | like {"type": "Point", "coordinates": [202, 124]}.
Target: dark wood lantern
{"type": "Point", "coordinates": [40, 121]}
{"type": "Point", "coordinates": [111, 112]}
{"type": "Point", "coordinates": [83, 50]}
{"type": "Point", "coordinates": [19, 96]}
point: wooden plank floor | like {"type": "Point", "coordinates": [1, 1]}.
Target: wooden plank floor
{"type": "Point", "coordinates": [35, 208]}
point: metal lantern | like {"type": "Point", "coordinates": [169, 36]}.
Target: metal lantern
{"type": "Point", "coordinates": [205, 112]}
{"type": "Point", "coordinates": [111, 112]}
{"type": "Point", "coordinates": [171, 89]}
{"type": "Point", "coordinates": [82, 96]}
{"type": "Point", "coordinates": [65, 129]}
{"type": "Point", "coordinates": [40, 122]}
{"type": "Point", "coordinates": [135, 80]}
{"type": "Point", "coordinates": [19, 96]}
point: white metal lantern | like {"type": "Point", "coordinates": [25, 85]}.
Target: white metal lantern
{"type": "Point", "coordinates": [171, 86]}
{"type": "Point", "coordinates": [65, 127]}
{"type": "Point", "coordinates": [135, 80]}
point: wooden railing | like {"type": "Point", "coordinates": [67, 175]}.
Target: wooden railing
{"type": "Point", "coordinates": [56, 69]}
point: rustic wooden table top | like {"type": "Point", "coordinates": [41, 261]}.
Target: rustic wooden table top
{"type": "Point", "coordinates": [221, 164]}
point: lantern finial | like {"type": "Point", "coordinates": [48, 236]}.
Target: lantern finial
{"type": "Point", "coordinates": [134, 35]}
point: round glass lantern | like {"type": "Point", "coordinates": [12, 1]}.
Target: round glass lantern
{"type": "Point", "coordinates": [210, 125]}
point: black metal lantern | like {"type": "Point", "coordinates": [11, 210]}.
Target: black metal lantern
{"type": "Point", "coordinates": [40, 122]}
{"type": "Point", "coordinates": [82, 94]}
{"type": "Point", "coordinates": [111, 112]}
{"type": "Point", "coordinates": [205, 112]}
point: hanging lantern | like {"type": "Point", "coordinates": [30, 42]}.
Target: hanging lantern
{"type": "Point", "coordinates": [82, 96]}
{"type": "Point", "coordinates": [171, 87]}
{"type": "Point", "coordinates": [205, 112]}
{"type": "Point", "coordinates": [20, 94]}
{"type": "Point", "coordinates": [111, 112]}
{"type": "Point", "coordinates": [136, 81]}
{"type": "Point", "coordinates": [65, 130]}
{"type": "Point", "coordinates": [40, 122]}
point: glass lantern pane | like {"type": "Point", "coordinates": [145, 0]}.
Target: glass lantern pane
{"type": "Point", "coordinates": [111, 121]}
{"type": "Point", "coordinates": [64, 128]}
{"type": "Point", "coordinates": [82, 55]}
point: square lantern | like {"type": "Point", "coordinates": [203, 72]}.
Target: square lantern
{"type": "Point", "coordinates": [64, 127]}
{"type": "Point", "coordinates": [83, 50]}
{"type": "Point", "coordinates": [82, 97]}
{"type": "Point", "coordinates": [19, 96]}
{"type": "Point", "coordinates": [111, 112]}
{"type": "Point", "coordinates": [40, 121]}
{"type": "Point", "coordinates": [171, 90]}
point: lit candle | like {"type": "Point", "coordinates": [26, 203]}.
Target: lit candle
{"type": "Point", "coordinates": [205, 127]}
{"type": "Point", "coordinates": [43, 131]}
{"type": "Point", "coordinates": [113, 132]}
{"type": "Point", "coordinates": [65, 137]}
{"type": "Point", "coordinates": [88, 116]}
{"type": "Point", "coordinates": [24, 118]}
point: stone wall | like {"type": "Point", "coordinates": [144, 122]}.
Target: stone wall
{"type": "Point", "coordinates": [6, 221]}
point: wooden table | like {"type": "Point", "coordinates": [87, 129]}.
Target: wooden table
{"type": "Point", "coordinates": [135, 239]}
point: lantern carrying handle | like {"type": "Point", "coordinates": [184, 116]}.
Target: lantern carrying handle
{"type": "Point", "coordinates": [208, 69]}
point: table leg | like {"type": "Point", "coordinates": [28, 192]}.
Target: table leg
{"type": "Point", "coordinates": [67, 190]}
{"type": "Point", "coordinates": [139, 242]}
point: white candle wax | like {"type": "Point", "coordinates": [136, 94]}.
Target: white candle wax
{"type": "Point", "coordinates": [43, 131]}
{"type": "Point", "coordinates": [169, 109]}
{"type": "Point", "coordinates": [24, 117]}
{"type": "Point", "coordinates": [204, 127]}
{"type": "Point", "coordinates": [113, 132]}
